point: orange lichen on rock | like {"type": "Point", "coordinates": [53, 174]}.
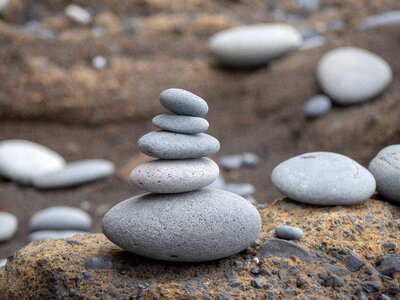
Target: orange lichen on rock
{"type": "Point", "coordinates": [90, 267]}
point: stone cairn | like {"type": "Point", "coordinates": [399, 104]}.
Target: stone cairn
{"type": "Point", "coordinates": [180, 219]}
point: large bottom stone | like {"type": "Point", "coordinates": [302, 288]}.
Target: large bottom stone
{"type": "Point", "coordinates": [202, 225]}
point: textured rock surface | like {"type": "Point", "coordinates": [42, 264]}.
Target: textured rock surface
{"type": "Point", "coordinates": [93, 268]}
{"type": "Point", "coordinates": [175, 176]}
{"type": "Point", "coordinates": [201, 225]}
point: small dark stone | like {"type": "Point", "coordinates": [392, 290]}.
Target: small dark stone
{"type": "Point", "coordinates": [235, 282]}
{"type": "Point", "coordinates": [73, 242]}
{"type": "Point", "coordinates": [389, 246]}
{"type": "Point", "coordinates": [283, 248]}
{"type": "Point", "coordinates": [293, 271]}
{"type": "Point", "coordinates": [360, 228]}
{"type": "Point", "coordinates": [112, 291]}
{"type": "Point", "coordinates": [239, 264]}
{"type": "Point", "coordinates": [390, 264]}
{"type": "Point", "coordinates": [353, 262]}
{"type": "Point", "coordinates": [255, 270]}
{"type": "Point", "coordinates": [86, 275]}
{"type": "Point", "coordinates": [335, 281]}
{"type": "Point", "coordinates": [393, 289]}
{"type": "Point", "coordinates": [258, 282]}
{"type": "Point", "coordinates": [300, 282]}
{"type": "Point", "coordinates": [370, 286]}
{"type": "Point", "coordinates": [98, 263]}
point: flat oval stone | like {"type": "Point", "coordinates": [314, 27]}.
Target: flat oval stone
{"type": "Point", "coordinates": [75, 173]}
{"type": "Point", "coordinates": [60, 218]}
{"type": "Point", "coordinates": [183, 102]}
{"type": "Point", "coordinates": [352, 75]}
{"type": "Point", "coordinates": [386, 169]}
{"type": "Point", "coordinates": [169, 145]}
{"type": "Point", "coordinates": [323, 178]}
{"type": "Point", "coordinates": [175, 176]}
{"type": "Point", "coordinates": [22, 161]}
{"type": "Point", "coordinates": [254, 45]}
{"type": "Point", "coordinates": [54, 234]}
{"type": "Point", "coordinates": [181, 124]}
{"type": "Point", "coordinates": [288, 232]}
{"type": "Point", "coordinates": [317, 106]}
{"type": "Point", "coordinates": [202, 225]}
{"type": "Point", "coordinates": [8, 226]}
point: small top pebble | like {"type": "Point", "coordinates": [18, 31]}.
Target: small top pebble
{"type": "Point", "coordinates": [183, 102]}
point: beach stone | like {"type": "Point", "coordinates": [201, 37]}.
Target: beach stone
{"type": "Point", "coordinates": [218, 183]}
{"type": "Point", "coordinates": [3, 4]}
{"type": "Point", "coordinates": [283, 248]}
{"type": "Point", "coordinates": [353, 262]}
{"type": "Point", "coordinates": [242, 189]}
{"type": "Point", "coordinates": [3, 262]}
{"type": "Point", "coordinates": [323, 178]}
{"type": "Point", "coordinates": [99, 62]}
{"type": "Point", "coordinates": [317, 106]}
{"type": "Point", "coordinates": [8, 226]}
{"type": "Point", "coordinates": [181, 124]}
{"type": "Point", "coordinates": [75, 173]}
{"type": "Point", "coordinates": [42, 235]}
{"type": "Point", "coordinates": [78, 14]}
{"type": "Point", "coordinates": [175, 176]}
{"type": "Point", "coordinates": [169, 145]}
{"type": "Point", "coordinates": [22, 161]}
{"type": "Point", "coordinates": [254, 45]}
{"type": "Point", "coordinates": [288, 232]}
{"type": "Point", "coordinates": [352, 75]}
{"type": "Point", "coordinates": [385, 167]}
{"type": "Point", "coordinates": [183, 102]}
{"type": "Point", "coordinates": [390, 264]}
{"type": "Point", "coordinates": [60, 218]}
{"type": "Point", "coordinates": [250, 159]}
{"type": "Point", "coordinates": [202, 225]}
{"type": "Point", "coordinates": [390, 18]}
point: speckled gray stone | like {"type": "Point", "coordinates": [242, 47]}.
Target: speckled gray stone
{"type": "Point", "coordinates": [183, 102]}
{"type": "Point", "coordinates": [254, 45]}
{"type": "Point", "coordinates": [181, 124]}
{"type": "Point", "coordinates": [8, 226]}
{"type": "Point", "coordinates": [323, 178]}
{"type": "Point", "coordinates": [242, 189]}
{"type": "Point", "coordinates": [60, 218]}
{"type": "Point", "coordinates": [75, 173]}
{"type": "Point", "coordinates": [169, 145]}
{"type": "Point", "coordinates": [22, 161]}
{"type": "Point", "coordinates": [352, 75]}
{"type": "Point", "coordinates": [202, 225]}
{"type": "Point", "coordinates": [288, 232]}
{"type": "Point", "coordinates": [386, 169]}
{"type": "Point", "coordinates": [54, 234]}
{"type": "Point", "coordinates": [175, 176]}
{"type": "Point", "coordinates": [317, 106]}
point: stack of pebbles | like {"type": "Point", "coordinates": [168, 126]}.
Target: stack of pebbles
{"type": "Point", "coordinates": [180, 219]}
